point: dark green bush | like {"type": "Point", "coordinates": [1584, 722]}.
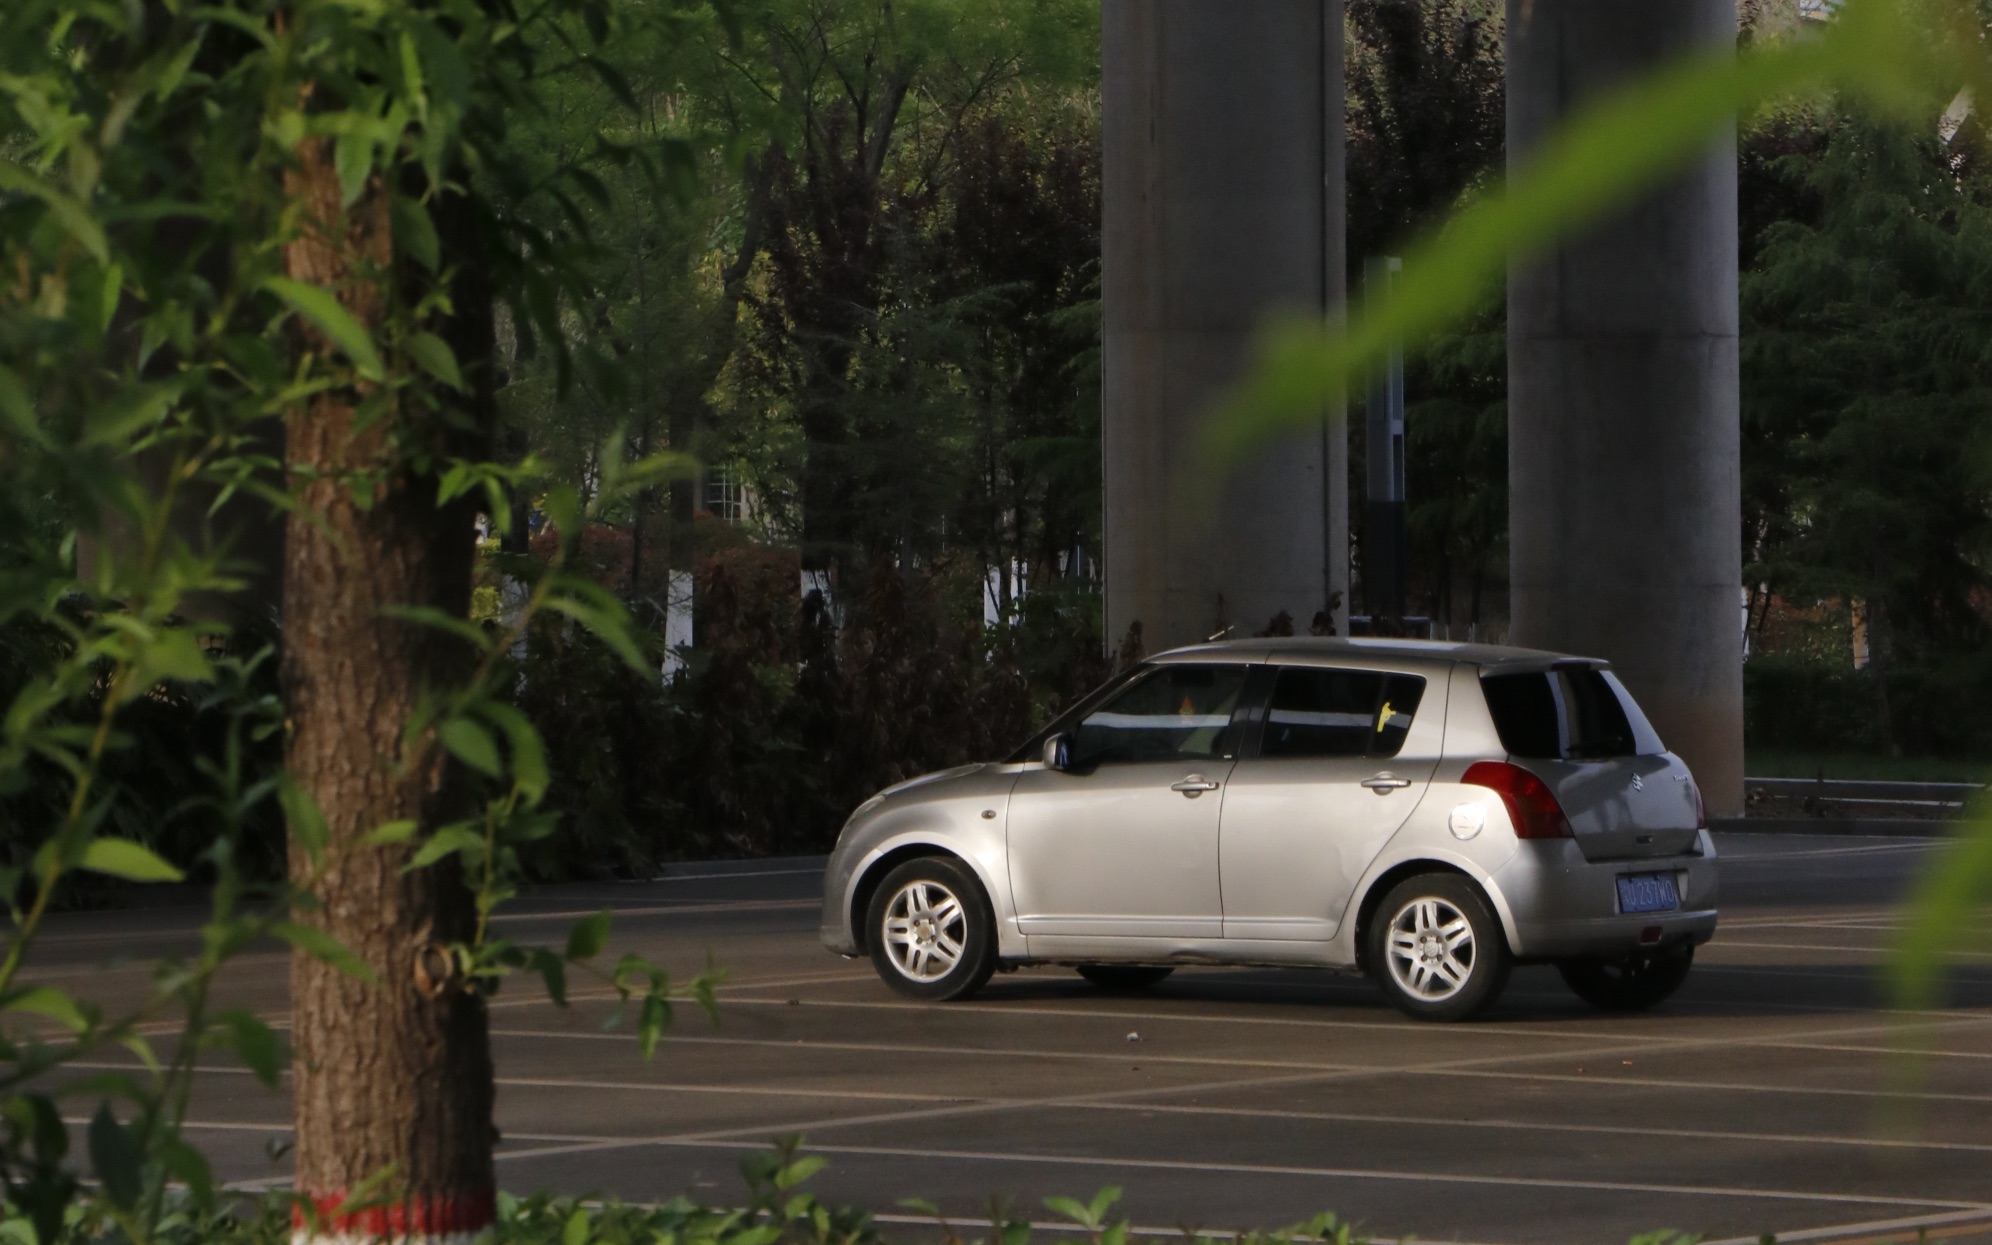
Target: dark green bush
{"type": "Point", "coordinates": [1940, 708]}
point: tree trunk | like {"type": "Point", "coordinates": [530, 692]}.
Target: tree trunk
{"type": "Point", "coordinates": [393, 1077]}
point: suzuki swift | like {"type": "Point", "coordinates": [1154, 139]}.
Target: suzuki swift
{"type": "Point", "coordinates": [1429, 814]}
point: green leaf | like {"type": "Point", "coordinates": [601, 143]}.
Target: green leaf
{"type": "Point", "coordinates": [577, 1230]}
{"type": "Point", "coordinates": [447, 842]}
{"type": "Point", "coordinates": [388, 833]}
{"type": "Point", "coordinates": [610, 625]}
{"type": "Point", "coordinates": [17, 409]}
{"type": "Point", "coordinates": [588, 937]}
{"type": "Point", "coordinates": [323, 947]}
{"type": "Point", "coordinates": [529, 768]}
{"type": "Point", "coordinates": [415, 233]}
{"type": "Point", "coordinates": [434, 356]}
{"type": "Point", "coordinates": [442, 620]}
{"type": "Point", "coordinates": [255, 1043]}
{"type": "Point", "coordinates": [122, 858]}
{"type": "Point", "coordinates": [110, 422]}
{"type": "Point", "coordinates": [1070, 1208]}
{"type": "Point", "coordinates": [190, 1167]}
{"type": "Point", "coordinates": [651, 1023]}
{"type": "Point", "coordinates": [1950, 897]}
{"type": "Point", "coordinates": [472, 744]}
{"type": "Point", "coordinates": [52, 1003]}
{"type": "Point", "coordinates": [333, 320]}
{"type": "Point", "coordinates": [448, 73]}
{"type": "Point", "coordinates": [170, 653]}
{"type": "Point", "coordinates": [352, 158]}
{"type": "Point", "coordinates": [74, 216]}
{"type": "Point", "coordinates": [800, 1170]}
{"type": "Point", "coordinates": [115, 1158]}
{"type": "Point", "coordinates": [553, 972]}
{"type": "Point", "coordinates": [613, 79]}
{"type": "Point", "coordinates": [301, 812]}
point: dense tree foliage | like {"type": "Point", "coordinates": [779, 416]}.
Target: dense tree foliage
{"type": "Point", "coordinates": [1867, 347]}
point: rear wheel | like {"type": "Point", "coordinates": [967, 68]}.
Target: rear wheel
{"type": "Point", "coordinates": [1436, 949]}
{"type": "Point", "coordinates": [930, 930]}
{"type": "Point", "coordinates": [1123, 978]}
{"type": "Point", "coordinates": [1631, 983]}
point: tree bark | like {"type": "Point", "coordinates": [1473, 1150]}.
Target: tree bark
{"type": "Point", "coordinates": [393, 1077]}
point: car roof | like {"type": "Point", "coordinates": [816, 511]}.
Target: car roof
{"type": "Point", "coordinates": [1370, 648]}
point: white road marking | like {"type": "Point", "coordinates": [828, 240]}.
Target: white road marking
{"type": "Point", "coordinates": [691, 908]}
{"type": "Point", "coordinates": [1469, 1032]}
{"type": "Point", "coordinates": [584, 1146]}
{"type": "Point", "coordinates": [1910, 845]}
{"type": "Point", "coordinates": [1863, 1228]}
{"type": "Point", "coordinates": [1837, 947]}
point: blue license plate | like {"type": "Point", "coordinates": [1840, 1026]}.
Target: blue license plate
{"type": "Point", "coordinates": [1648, 892]}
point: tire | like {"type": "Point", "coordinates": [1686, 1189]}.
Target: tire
{"type": "Point", "coordinates": [1630, 984]}
{"type": "Point", "coordinates": [930, 930]}
{"type": "Point", "coordinates": [1436, 949]}
{"type": "Point", "coordinates": [1123, 978]}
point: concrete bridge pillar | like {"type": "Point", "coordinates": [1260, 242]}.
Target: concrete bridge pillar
{"type": "Point", "coordinates": [1222, 178]}
{"type": "Point", "coordinates": [1623, 479]}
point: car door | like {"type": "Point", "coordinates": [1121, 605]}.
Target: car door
{"type": "Point", "coordinates": [1122, 843]}
{"type": "Point", "coordinates": [1342, 757]}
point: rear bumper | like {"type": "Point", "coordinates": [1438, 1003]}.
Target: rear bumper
{"type": "Point", "coordinates": [1566, 907]}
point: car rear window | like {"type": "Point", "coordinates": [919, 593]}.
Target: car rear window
{"type": "Point", "coordinates": [1320, 712]}
{"type": "Point", "coordinates": [1571, 714]}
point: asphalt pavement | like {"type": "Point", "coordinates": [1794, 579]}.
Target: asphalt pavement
{"type": "Point", "coordinates": [1773, 1095]}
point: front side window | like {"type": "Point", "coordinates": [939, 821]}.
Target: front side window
{"type": "Point", "coordinates": [1178, 713]}
{"type": "Point", "coordinates": [1319, 712]}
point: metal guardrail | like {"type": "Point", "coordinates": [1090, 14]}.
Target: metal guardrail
{"type": "Point", "coordinates": [1862, 799]}
{"type": "Point", "coordinates": [1863, 788]}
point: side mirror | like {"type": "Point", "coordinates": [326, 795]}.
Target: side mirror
{"type": "Point", "coordinates": [1058, 752]}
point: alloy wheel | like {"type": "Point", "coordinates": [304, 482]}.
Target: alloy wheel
{"type": "Point", "coordinates": [926, 930]}
{"type": "Point", "coordinates": [1431, 949]}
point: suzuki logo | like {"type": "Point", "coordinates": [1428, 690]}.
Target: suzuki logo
{"type": "Point", "coordinates": [1637, 785]}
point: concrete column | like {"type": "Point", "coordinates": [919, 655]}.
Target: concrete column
{"type": "Point", "coordinates": [1222, 148]}
{"type": "Point", "coordinates": [1623, 480]}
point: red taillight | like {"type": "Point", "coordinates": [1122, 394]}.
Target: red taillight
{"type": "Point", "coordinates": [1701, 809]}
{"type": "Point", "coordinates": [1531, 805]}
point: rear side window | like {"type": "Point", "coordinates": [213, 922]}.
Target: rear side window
{"type": "Point", "coordinates": [1177, 713]}
{"type": "Point", "coordinates": [1318, 712]}
{"type": "Point", "coordinates": [1572, 714]}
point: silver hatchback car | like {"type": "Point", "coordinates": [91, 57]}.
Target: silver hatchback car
{"type": "Point", "coordinates": [1428, 813]}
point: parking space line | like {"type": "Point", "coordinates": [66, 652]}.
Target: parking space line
{"type": "Point", "coordinates": [1124, 1101]}
{"type": "Point", "coordinates": [1323, 1074]}
{"type": "Point", "coordinates": [905, 1048]}
{"type": "Point", "coordinates": [1915, 1052]}
{"type": "Point", "coordinates": [1808, 946]}
{"type": "Point", "coordinates": [688, 908]}
{"type": "Point", "coordinates": [1698, 1134]}
{"type": "Point", "coordinates": [1910, 845]}
{"type": "Point", "coordinates": [1741, 1087]}
{"type": "Point", "coordinates": [1273, 1169]}
{"type": "Point", "coordinates": [1469, 1032]}
{"type": "Point", "coordinates": [609, 996]}
{"type": "Point", "coordinates": [1874, 1230]}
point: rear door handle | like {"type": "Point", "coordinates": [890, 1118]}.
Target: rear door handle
{"type": "Point", "coordinates": [1193, 786]}
{"type": "Point", "coordinates": [1385, 783]}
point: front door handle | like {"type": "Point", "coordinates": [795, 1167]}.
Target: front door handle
{"type": "Point", "coordinates": [1385, 783]}
{"type": "Point", "coordinates": [1193, 786]}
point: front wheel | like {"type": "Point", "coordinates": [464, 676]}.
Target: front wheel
{"type": "Point", "coordinates": [931, 932]}
{"type": "Point", "coordinates": [1436, 949]}
{"type": "Point", "coordinates": [1629, 984]}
